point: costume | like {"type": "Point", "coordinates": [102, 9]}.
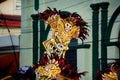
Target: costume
{"type": "Point", "coordinates": [65, 26]}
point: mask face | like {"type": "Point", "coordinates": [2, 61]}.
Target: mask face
{"type": "Point", "coordinates": [50, 69]}
{"type": "Point", "coordinates": [68, 27]}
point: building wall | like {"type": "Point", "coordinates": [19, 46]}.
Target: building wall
{"type": "Point", "coordinates": [11, 7]}
{"type": "Point", "coordinates": [8, 14]}
{"type": "Point", "coordinates": [13, 31]}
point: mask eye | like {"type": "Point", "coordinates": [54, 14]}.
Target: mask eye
{"type": "Point", "coordinates": [68, 25]}
{"type": "Point", "coordinates": [60, 46]}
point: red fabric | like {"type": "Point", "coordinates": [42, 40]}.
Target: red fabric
{"type": "Point", "coordinates": [10, 23]}
{"type": "Point", "coordinates": [9, 58]}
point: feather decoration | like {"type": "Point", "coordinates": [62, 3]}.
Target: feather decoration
{"type": "Point", "coordinates": [64, 14]}
{"type": "Point", "coordinates": [67, 70]}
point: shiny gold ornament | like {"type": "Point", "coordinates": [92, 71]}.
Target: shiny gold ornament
{"type": "Point", "coordinates": [63, 30]}
{"type": "Point", "coordinates": [50, 70]}
{"type": "Point", "coordinates": [110, 76]}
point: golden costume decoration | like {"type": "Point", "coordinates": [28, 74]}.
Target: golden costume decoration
{"type": "Point", "coordinates": [65, 26]}
{"type": "Point", "coordinates": [63, 30]}
{"type": "Point", "coordinates": [110, 76]}
{"type": "Point", "coordinates": [114, 71]}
